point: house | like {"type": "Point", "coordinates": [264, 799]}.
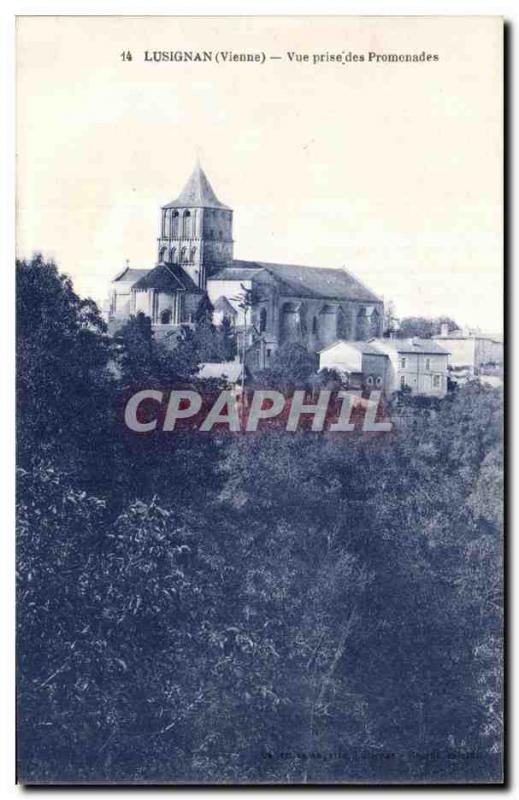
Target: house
{"type": "Point", "coordinates": [390, 364]}
{"type": "Point", "coordinates": [222, 309]}
{"type": "Point", "coordinates": [416, 364]}
{"type": "Point", "coordinates": [470, 349]}
{"type": "Point", "coordinates": [361, 364]}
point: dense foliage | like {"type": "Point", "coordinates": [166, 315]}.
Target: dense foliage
{"type": "Point", "coordinates": [261, 607]}
{"type": "Point", "coordinates": [423, 327]}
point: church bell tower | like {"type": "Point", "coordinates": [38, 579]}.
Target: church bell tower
{"type": "Point", "coordinates": [196, 230]}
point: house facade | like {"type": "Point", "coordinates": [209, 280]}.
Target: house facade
{"type": "Point", "coordinates": [470, 350]}
{"type": "Point", "coordinates": [314, 306]}
{"type": "Point", "coordinates": [360, 363]}
{"type": "Point", "coordinates": [419, 365]}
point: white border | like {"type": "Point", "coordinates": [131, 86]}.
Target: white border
{"type": "Point", "coordinates": [509, 9]}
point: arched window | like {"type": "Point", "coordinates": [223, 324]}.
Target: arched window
{"type": "Point", "coordinates": [263, 320]}
{"type": "Point", "coordinates": [192, 254]}
{"type": "Point", "coordinates": [165, 317]}
{"type": "Point", "coordinates": [174, 225]}
{"type": "Point", "coordinates": [378, 381]}
{"type": "Point", "coordinates": [183, 255]}
{"type": "Point", "coordinates": [172, 254]}
{"type": "Point", "coordinates": [162, 254]}
{"type": "Point", "coordinates": [314, 325]}
{"type": "Point", "coordinates": [187, 224]}
{"type": "Point", "coordinates": [369, 380]}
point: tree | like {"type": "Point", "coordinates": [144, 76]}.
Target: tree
{"type": "Point", "coordinates": [192, 606]}
{"type": "Point", "coordinates": [423, 327]}
{"type": "Point", "coordinates": [214, 343]}
{"type": "Point", "coordinates": [65, 390]}
{"type": "Point", "coordinates": [228, 346]}
{"type": "Point", "coordinates": [292, 366]}
{"type": "Point", "coordinates": [136, 350]}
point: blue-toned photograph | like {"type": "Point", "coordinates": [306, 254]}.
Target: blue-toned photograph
{"type": "Point", "coordinates": [260, 384]}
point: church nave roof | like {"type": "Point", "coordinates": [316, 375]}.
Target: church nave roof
{"type": "Point", "coordinates": [302, 281]}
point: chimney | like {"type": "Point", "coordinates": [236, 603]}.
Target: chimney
{"type": "Point", "coordinates": [444, 329]}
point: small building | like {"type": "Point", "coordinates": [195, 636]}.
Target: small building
{"type": "Point", "coordinates": [120, 305]}
{"type": "Point", "coordinates": [470, 349]}
{"type": "Point", "coordinates": [390, 364]}
{"type": "Point", "coordinates": [360, 362]}
{"type": "Point", "coordinates": [416, 364]}
{"type": "Point", "coordinates": [222, 309]}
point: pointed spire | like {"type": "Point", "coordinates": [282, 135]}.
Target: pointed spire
{"type": "Point", "coordinates": [197, 193]}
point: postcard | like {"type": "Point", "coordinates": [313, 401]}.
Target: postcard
{"type": "Point", "coordinates": [260, 384]}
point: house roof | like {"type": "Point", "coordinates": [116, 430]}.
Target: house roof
{"type": "Point", "coordinates": [223, 305]}
{"type": "Point", "coordinates": [302, 281]}
{"type": "Point", "coordinates": [363, 347]}
{"type": "Point", "coordinates": [167, 277]}
{"type": "Point", "coordinates": [414, 345]}
{"type": "Point", "coordinates": [232, 370]}
{"type": "Point", "coordinates": [130, 274]}
{"type": "Point", "coordinates": [197, 193]}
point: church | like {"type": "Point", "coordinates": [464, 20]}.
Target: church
{"type": "Point", "coordinates": [267, 304]}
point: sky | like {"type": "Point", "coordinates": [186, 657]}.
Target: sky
{"type": "Point", "coordinates": [392, 170]}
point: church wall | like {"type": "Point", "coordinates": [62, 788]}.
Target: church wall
{"type": "Point", "coordinates": [120, 298]}
{"type": "Point", "coordinates": [327, 327]}
{"type": "Point", "coordinates": [216, 224]}
{"type": "Point", "coordinates": [322, 322]}
{"type": "Point", "coordinates": [165, 302]}
{"type": "Point", "coordinates": [141, 302]}
{"type": "Point", "coordinates": [217, 248]}
{"type": "Point", "coordinates": [268, 301]}
{"type": "Point", "coordinates": [121, 304]}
